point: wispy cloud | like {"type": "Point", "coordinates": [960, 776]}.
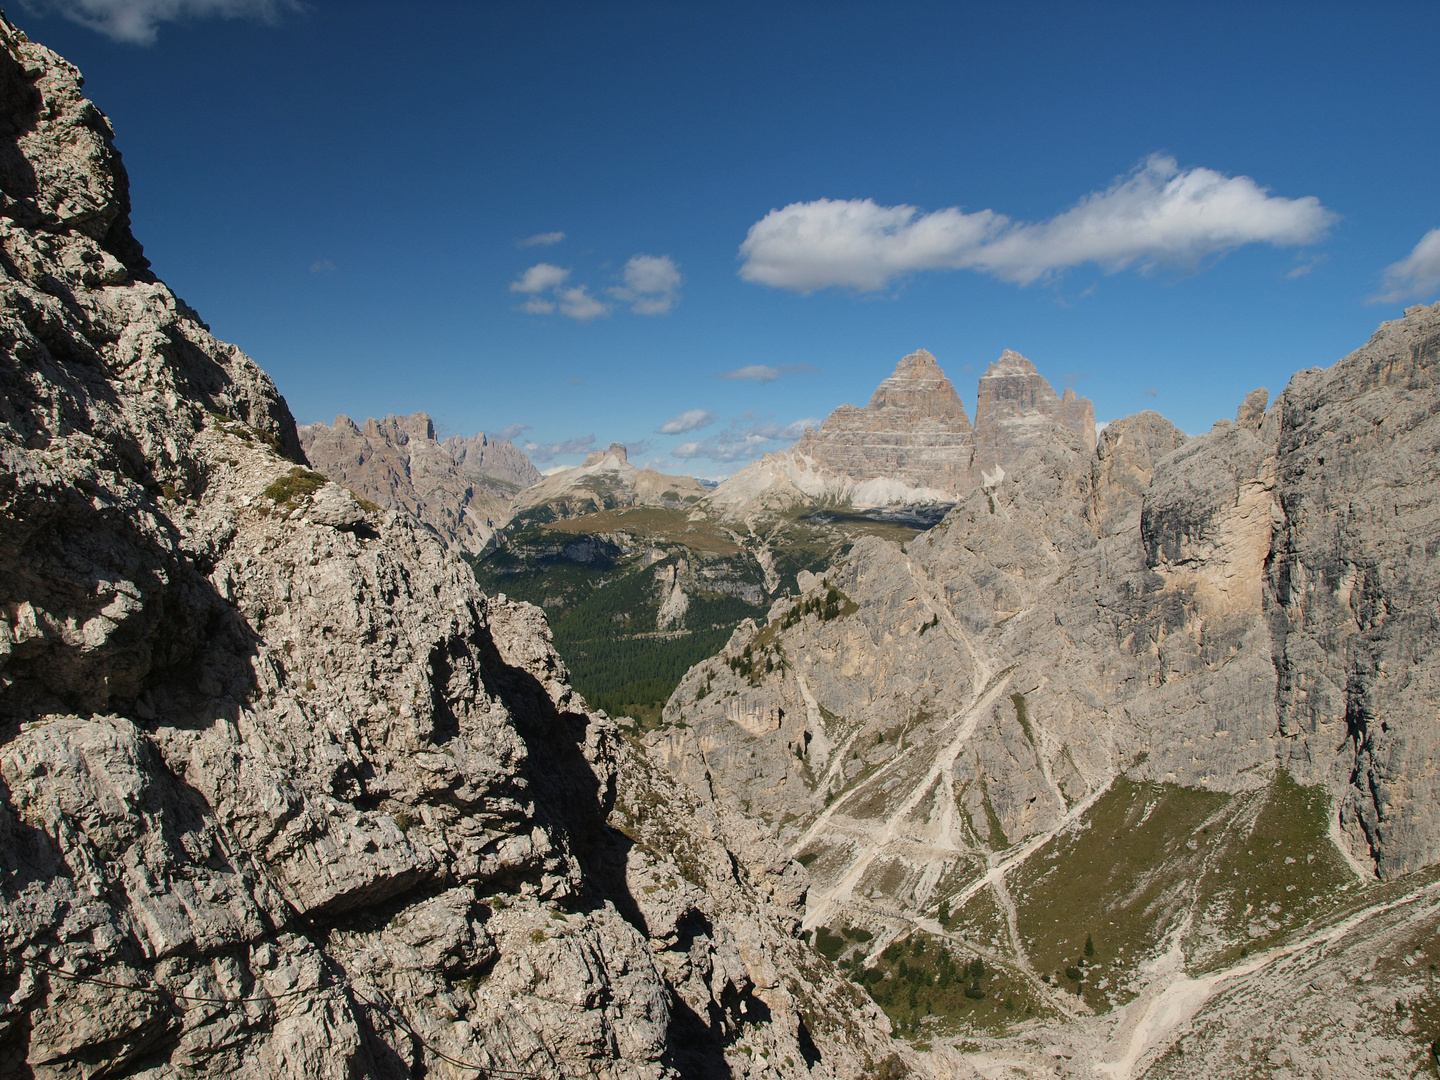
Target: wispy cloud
{"type": "Point", "coordinates": [550, 451]}
{"type": "Point", "coordinates": [1304, 266]}
{"type": "Point", "coordinates": [689, 420]}
{"type": "Point", "coordinates": [539, 277]}
{"type": "Point", "coordinates": [1415, 276]}
{"type": "Point", "coordinates": [1156, 216]}
{"type": "Point", "coordinates": [652, 284]}
{"type": "Point", "coordinates": [322, 266]}
{"type": "Point", "coordinates": [511, 431]}
{"type": "Point", "coordinates": [744, 441]}
{"type": "Point", "coordinates": [651, 287]}
{"type": "Point", "coordinates": [764, 373]}
{"type": "Point", "coordinates": [578, 304]}
{"type": "Point", "coordinates": [574, 302]}
{"type": "Point", "coordinates": [135, 21]}
{"type": "Point", "coordinates": [544, 239]}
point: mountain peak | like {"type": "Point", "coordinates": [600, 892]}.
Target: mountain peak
{"type": "Point", "coordinates": [914, 430]}
{"type": "Point", "coordinates": [1017, 408]}
{"type": "Point", "coordinates": [1010, 363]}
{"type": "Point", "coordinates": [615, 450]}
{"type": "Point", "coordinates": [920, 364]}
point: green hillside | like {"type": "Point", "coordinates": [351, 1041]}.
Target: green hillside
{"type": "Point", "coordinates": [603, 577]}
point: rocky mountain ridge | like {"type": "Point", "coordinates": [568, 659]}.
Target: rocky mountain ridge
{"type": "Point", "coordinates": [605, 481]}
{"type": "Point", "coordinates": [913, 444]}
{"type": "Point", "coordinates": [1190, 652]}
{"type": "Point", "coordinates": [461, 487]}
{"type": "Point", "coordinates": [282, 793]}
{"type": "Point", "coordinates": [913, 430]}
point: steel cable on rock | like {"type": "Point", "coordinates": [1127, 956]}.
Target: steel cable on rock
{"type": "Point", "coordinates": [160, 991]}
{"type": "Point", "coordinates": [401, 1021]}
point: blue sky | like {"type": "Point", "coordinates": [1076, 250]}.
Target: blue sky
{"type": "Point", "coordinates": [1162, 205]}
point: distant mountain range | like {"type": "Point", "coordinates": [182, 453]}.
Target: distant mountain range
{"type": "Point", "coordinates": [913, 444]}
{"type": "Point", "coordinates": [461, 487]}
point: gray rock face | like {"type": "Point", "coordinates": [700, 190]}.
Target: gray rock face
{"type": "Point", "coordinates": [913, 444]}
{"type": "Point", "coordinates": [281, 792]}
{"type": "Point", "coordinates": [460, 487]}
{"type": "Point", "coordinates": [615, 450]}
{"type": "Point", "coordinates": [914, 430]}
{"type": "Point", "coordinates": [1353, 579]}
{"type": "Point", "coordinates": [1238, 620]}
{"type": "Point", "coordinates": [1015, 408]}
{"type": "Point", "coordinates": [1114, 617]}
{"type": "Point", "coordinates": [491, 460]}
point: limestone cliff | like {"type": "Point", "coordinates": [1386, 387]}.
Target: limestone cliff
{"type": "Point", "coordinates": [1171, 697]}
{"type": "Point", "coordinates": [912, 444]}
{"type": "Point", "coordinates": [914, 430]}
{"type": "Point", "coordinates": [282, 793]}
{"type": "Point", "coordinates": [1352, 586]}
{"type": "Point", "coordinates": [1015, 408]}
{"type": "Point", "coordinates": [461, 487]}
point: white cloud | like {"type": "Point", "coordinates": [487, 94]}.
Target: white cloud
{"type": "Point", "coordinates": [544, 239]}
{"type": "Point", "coordinates": [538, 305]}
{"type": "Point", "coordinates": [689, 420]}
{"type": "Point", "coordinates": [1417, 275]}
{"type": "Point", "coordinates": [652, 284]}
{"type": "Point", "coordinates": [550, 451]}
{"type": "Point", "coordinates": [511, 431]}
{"type": "Point", "coordinates": [1305, 266]}
{"type": "Point", "coordinates": [1158, 215]}
{"type": "Point", "coordinates": [135, 21]}
{"type": "Point", "coordinates": [538, 278]}
{"type": "Point", "coordinates": [764, 373]}
{"type": "Point", "coordinates": [578, 304]}
{"type": "Point", "coordinates": [322, 266]}
{"type": "Point", "coordinates": [744, 442]}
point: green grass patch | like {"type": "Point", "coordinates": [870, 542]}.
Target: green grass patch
{"type": "Point", "coordinates": [1022, 715]}
{"type": "Point", "coordinates": [1274, 870]}
{"type": "Point", "coordinates": [1121, 878]}
{"type": "Point", "coordinates": [923, 976]}
{"type": "Point", "coordinates": [652, 523]}
{"type": "Point", "coordinates": [293, 486]}
{"type": "Point", "coordinates": [979, 919]}
{"type": "Point", "coordinates": [1249, 869]}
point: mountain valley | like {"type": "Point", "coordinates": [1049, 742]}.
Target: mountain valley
{"type": "Point", "coordinates": [924, 748]}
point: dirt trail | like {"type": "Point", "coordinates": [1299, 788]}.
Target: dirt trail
{"type": "Point", "coordinates": [1167, 1007]}
{"type": "Point", "coordinates": [969, 719]}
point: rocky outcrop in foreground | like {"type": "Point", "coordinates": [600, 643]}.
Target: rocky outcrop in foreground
{"type": "Point", "coordinates": [281, 792]}
{"type": "Point", "coordinates": [461, 487]}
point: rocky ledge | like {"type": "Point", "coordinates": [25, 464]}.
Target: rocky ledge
{"type": "Point", "coordinates": [281, 792]}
